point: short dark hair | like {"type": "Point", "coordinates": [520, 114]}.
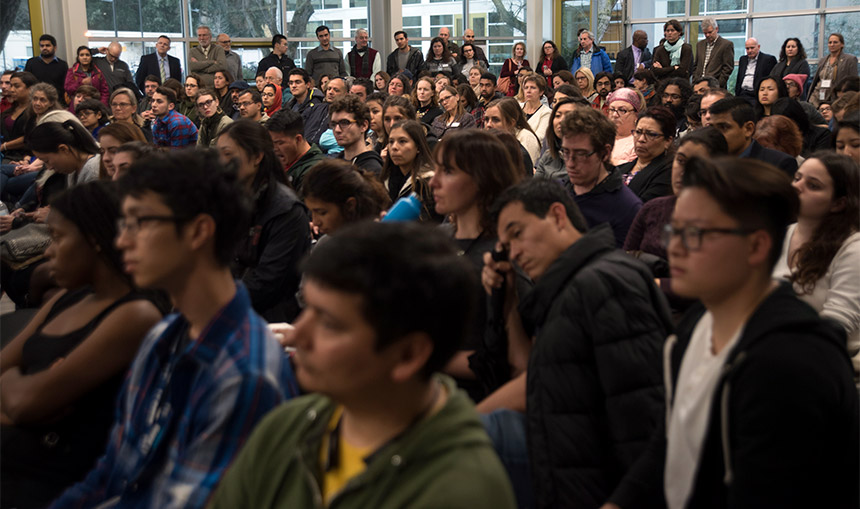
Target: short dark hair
{"type": "Point", "coordinates": [48, 136]}
{"type": "Point", "coordinates": [49, 38]}
{"type": "Point", "coordinates": [403, 103]}
{"type": "Point", "coordinates": [9, 72]}
{"type": "Point", "coordinates": [335, 181]}
{"type": "Point", "coordinates": [286, 121]}
{"type": "Point", "coordinates": [674, 23]}
{"type": "Point", "coordinates": [298, 71]}
{"type": "Point", "coordinates": [604, 74]}
{"type": "Point", "coordinates": [162, 36]}
{"type": "Point", "coordinates": [252, 138]}
{"type": "Point", "coordinates": [663, 116]}
{"type": "Point", "coordinates": [740, 109]}
{"type": "Point", "coordinates": [278, 38]}
{"type": "Point", "coordinates": [645, 75]}
{"type": "Point", "coordinates": [537, 195]}
{"type": "Point", "coordinates": [168, 93]}
{"type": "Point", "coordinates": [351, 104]}
{"type": "Point", "coordinates": [190, 183]}
{"type": "Point", "coordinates": [364, 82]}
{"type": "Point", "coordinates": [321, 28]}
{"type": "Point", "coordinates": [568, 90]}
{"type": "Point", "coordinates": [489, 76]}
{"type": "Point", "coordinates": [399, 32]}
{"type": "Point", "coordinates": [95, 106]}
{"type": "Point", "coordinates": [594, 124]}
{"type": "Point", "coordinates": [755, 194]}
{"type": "Point", "coordinates": [409, 279]}
{"type": "Point", "coordinates": [710, 138]}
{"type": "Point", "coordinates": [255, 95]}
{"type": "Point", "coordinates": [153, 78]}
{"type": "Point", "coordinates": [713, 84]}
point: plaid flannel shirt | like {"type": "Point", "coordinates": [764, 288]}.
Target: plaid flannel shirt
{"type": "Point", "coordinates": [174, 130]}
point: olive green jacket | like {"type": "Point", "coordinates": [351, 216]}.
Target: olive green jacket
{"type": "Point", "coordinates": [444, 461]}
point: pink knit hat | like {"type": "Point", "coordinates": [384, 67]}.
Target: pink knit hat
{"type": "Point", "coordinates": [627, 95]}
{"type": "Point", "coordinates": [800, 79]}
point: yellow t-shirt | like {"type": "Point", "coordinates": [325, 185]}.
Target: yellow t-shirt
{"type": "Point", "coordinates": [348, 463]}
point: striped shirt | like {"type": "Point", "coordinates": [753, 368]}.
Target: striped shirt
{"type": "Point", "coordinates": [174, 130]}
{"type": "Point", "coordinates": [185, 411]}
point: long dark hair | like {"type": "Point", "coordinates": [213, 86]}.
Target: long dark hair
{"type": "Point", "coordinates": [446, 55]}
{"type": "Point", "coordinates": [48, 137]}
{"type": "Point", "coordinates": [336, 181]}
{"type": "Point", "coordinates": [482, 156]}
{"type": "Point", "coordinates": [423, 159]}
{"type": "Point", "coordinates": [93, 207]}
{"type": "Point", "coordinates": [801, 53]}
{"type": "Point", "coordinates": [254, 139]}
{"type": "Point", "coordinates": [552, 141]}
{"type": "Point", "coordinates": [813, 258]}
{"type": "Point", "coordinates": [542, 55]}
{"type": "Point", "coordinates": [78, 55]}
{"type": "Point", "coordinates": [509, 107]}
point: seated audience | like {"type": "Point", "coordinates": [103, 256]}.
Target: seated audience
{"type": "Point", "coordinates": [675, 94]}
{"type": "Point", "coordinates": [597, 188]}
{"type": "Point", "coordinates": [267, 258]}
{"type": "Point", "coordinates": [650, 174]}
{"type": "Point", "coordinates": [251, 106]}
{"type": "Point", "coordinates": [380, 81]}
{"type": "Point", "coordinates": [208, 373]}
{"type": "Point", "coordinates": [296, 155]}
{"type": "Point", "coordinates": [821, 252]}
{"type": "Point", "coordinates": [62, 372]}
{"type": "Point", "coordinates": [644, 82]}
{"type": "Point", "coordinates": [585, 81]}
{"type": "Point", "coordinates": [815, 137]}
{"type": "Point", "coordinates": [846, 137]}
{"type": "Point", "coordinates": [400, 84]}
{"type": "Point", "coordinates": [111, 137]}
{"type": "Point", "coordinates": [188, 100]}
{"type": "Point", "coordinates": [751, 368]}
{"type": "Point", "coordinates": [350, 120]}
{"type": "Point", "coordinates": [624, 105]}
{"type": "Point", "coordinates": [395, 109]}
{"type": "Point", "coordinates": [338, 193]}
{"type": "Point", "coordinates": [123, 106]}
{"type": "Point", "coordinates": [417, 441]}
{"type": "Point", "coordinates": [409, 166]}
{"type": "Point", "coordinates": [426, 101]}
{"type": "Point", "coordinates": [213, 119]}
{"type": "Point", "coordinates": [550, 164]}
{"type": "Point", "coordinates": [780, 133]}
{"type": "Point", "coordinates": [271, 98]}
{"type": "Point", "coordinates": [127, 154]}
{"type": "Point", "coordinates": [735, 119]}
{"type": "Point", "coordinates": [374, 102]}
{"type": "Point", "coordinates": [170, 128]}
{"type": "Point", "coordinates": [454, 118]}
{"type": "Point", "coordinates": [584, 375]}
{"type": "Point", "coordinates": [93, 115]}
{"type": "Point", "coordinates": [536, 112]}
{"type": "Point", "coordinates": [506, 115]}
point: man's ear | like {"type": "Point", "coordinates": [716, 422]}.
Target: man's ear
{"type": "Point", "coordinates": [749, 129]}
{"type": "Point", "coordinates": [411, 355]}
{"type": "Point", "coordinates": [559, 215]}
{"type": "Point", "coordinates": [760, 245]}
{"type": "Point", "coordinates": [200, 231]}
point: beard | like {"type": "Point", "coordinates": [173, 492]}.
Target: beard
{"type": "Point", "coordinates": [678, 111]}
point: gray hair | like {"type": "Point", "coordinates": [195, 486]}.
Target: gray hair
{"type": "Point", "coordinates": [710, 22]}
{"type": "Point", "coordinates": [589, 33]}
{"type": "Point", "coordinates": [278, 73]}
{"type": "Point", "coordinates": [49, 90]}
{"type": "Point", "coordinates": [360, 30]}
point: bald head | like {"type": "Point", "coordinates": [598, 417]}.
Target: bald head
{"type": "Point", "coordinates": [752, 47]}
{"type": "Point", "coordinates": [444, 34]}
{"type": "Point", "coordinates": [223, 40]}
{"type": "Point", "coordinates": [114, 51]}
{"type": "Point", "coordinates": [640, 39]}
{"type": "Point", "coordinates": [469, 36]}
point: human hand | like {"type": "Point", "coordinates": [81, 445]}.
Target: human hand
{"type": "Point", "coordinates": [193, 59]}
{"type": "Point", "coordinates": [656, 65]}
{"type": "Point", "coordinates": [39, 215]}
{"type": "Point", "coordinates": [284, 333]}
{"type": "Point", "coordinates": [87, 81]}
{"type": "Point", "coordinates": [102, 49]}
{"type": "Point", "coordinates": [6, 223]}
{"type": "Point", "coordinates": [495, 273]}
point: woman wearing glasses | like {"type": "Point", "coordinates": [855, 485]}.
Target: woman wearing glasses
{"type": "Point", "coordinates": [455, 116]}
{"type": "Point", "coordinates": [111, 137]}
{"type": "Point", "coordinates": [188, 100]}
{"type": "Point", "coordinates": [123, 107]}
{"type": "Point", "coordinates": [649, 175]}
{"type": "Point", "coordinates": [213, 119]}
{"type": "Point", "coordinates": [624, 105]}
{"type": "Point", "coordinates": [60, 375]}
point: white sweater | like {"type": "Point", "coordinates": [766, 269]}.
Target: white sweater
{"type": "Point", "coordinates": [837, 294]}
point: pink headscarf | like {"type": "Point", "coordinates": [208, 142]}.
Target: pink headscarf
{"type": "Point", "coordinates": [627, 95]}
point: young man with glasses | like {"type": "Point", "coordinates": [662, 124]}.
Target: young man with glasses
{"type": "Point", "coordinates": [171, 128]}
{"type": "Point", "coordinates": [350, 120]}
{"type": "Point", "coordinates": [309, 102]}
{"type": "Point", "coordinates": [764, 411]}
{"type": "Point", "coordinates": [592, 329]}
{"type": "Point", "coordinates": [207, 373]}
{"type": "Point", "coordinates": [587, 137]}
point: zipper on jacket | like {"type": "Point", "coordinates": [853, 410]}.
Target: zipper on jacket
{"type": "Point", "coordinates": [312, 482]}
{"type": "Point", "coordinates": [728, 478]}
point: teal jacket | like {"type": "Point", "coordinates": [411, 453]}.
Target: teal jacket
{"type": "Point", "coordinates": [443, 461]}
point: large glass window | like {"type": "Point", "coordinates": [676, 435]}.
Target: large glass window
{"type": "Point", "coordinates": [575, 15]}
{"type": "Point", "coordinates": [134, 18]}
{"type": "Point", "coordinates": [706, 7]}
{"type": "Point", "coordinates": [785, 5]}
{"type": "Point", "coordinates": [772, 32]}
{"type": "Point", "coordinates": [734, 30]}
{"type": "Point", "coordinates": [847, 25]}
{"type": "Point", "coordinates": [254, 18]}
{"type": "Point", "coordinates": [18, 46]}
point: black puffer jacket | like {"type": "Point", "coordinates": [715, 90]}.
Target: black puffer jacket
{"type": "Point", "coordinates": [267, 259]}
{"type": "Point", "coordinates": [594, 388]}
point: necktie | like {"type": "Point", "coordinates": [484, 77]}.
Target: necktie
{"type": "Point", "coordinates": [163, 73]}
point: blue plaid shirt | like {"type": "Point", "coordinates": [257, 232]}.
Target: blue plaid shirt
{"type": "Point", "coordinates": [174, 130]}
{"type": "Point", "coordinates": [185, 411]}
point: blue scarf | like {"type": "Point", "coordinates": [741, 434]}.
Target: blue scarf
{"type": "Point", "coordinates": [674, 51]}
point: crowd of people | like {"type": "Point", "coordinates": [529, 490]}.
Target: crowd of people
{"type": "Point", "coordinates": [622, 285]}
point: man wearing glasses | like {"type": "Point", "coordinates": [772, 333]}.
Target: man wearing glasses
{"type": "Point", "coordinates": [350, 120]}
{"type": "Point", "coordinates": [208, 373]}
{"type": "Point", "coordinates": [592, 327]}
{"type": "Point", "coordinates": [251, 106]}
{"type": "Point", "coordinates": [595, 185]}
{"type": "Point", "coordinates": [170, 128]}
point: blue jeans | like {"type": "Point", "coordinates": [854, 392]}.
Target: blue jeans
{"type": "Point", "coordinates": [13, 187]}
{"type": "Point", "coordinates": [507, 430]}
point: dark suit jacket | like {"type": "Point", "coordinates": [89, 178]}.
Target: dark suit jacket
{"type": "Point", "coordinates": [149, 65]}
{"type": "Point", "coordinates": [625, 62]}
{"type": "Point", "coordinates": [720, 65]}
{"type": "Point", "coordinates": [781, 160]}
{"type": "Point", "coordinates": [763, 67]}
